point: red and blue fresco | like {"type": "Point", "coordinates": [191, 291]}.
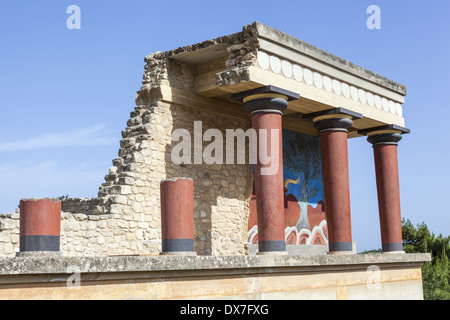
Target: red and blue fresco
{"type": "Point", "coordinates": [304, 206]}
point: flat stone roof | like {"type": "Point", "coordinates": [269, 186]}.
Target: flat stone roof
{"type": "Point", "coordinates": [261, 56]}
{"type": "Point", "coordinates": [215, 48]}
{"type": "Point", "coordinates": [287, 40]}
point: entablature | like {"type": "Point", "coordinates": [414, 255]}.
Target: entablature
{"type": "Point", "coordinates": [260, 56]}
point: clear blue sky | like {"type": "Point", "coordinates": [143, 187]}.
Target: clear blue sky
{"type": "Point", "coordinates": [65, 95]}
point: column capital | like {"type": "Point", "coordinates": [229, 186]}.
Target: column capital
{"type": "Point", "coordinates": [338, 119]}
{"type": "Point", "coordinates": [268, 99]}
{"type": "Point", "coordinates": [389, 134]}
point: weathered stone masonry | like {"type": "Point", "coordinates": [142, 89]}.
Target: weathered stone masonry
{"type": "Point", "coordinates": [125, 218]}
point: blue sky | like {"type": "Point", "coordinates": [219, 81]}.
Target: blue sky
{"type": "Point", "coordinates": [65, 95]}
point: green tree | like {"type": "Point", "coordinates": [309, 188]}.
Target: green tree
{"type": "Point", "coordinates": [436, 273]}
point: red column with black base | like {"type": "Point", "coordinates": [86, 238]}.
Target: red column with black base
{"type": "Point", "coordinates": [40, 225]}
{"type": "Point", "coordinates": [333, 140]}
{"type": "Point", "coordinates": [266, 106]}
{"type": "Point", "coordinates": [269, 186]}
{"type": "Point", "coordinates": [177, 216]}
{"type": "Point", "coordinates": [387, 179]}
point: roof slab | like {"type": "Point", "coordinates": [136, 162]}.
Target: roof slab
{"type": "Point", "coordinates": [260, 56]}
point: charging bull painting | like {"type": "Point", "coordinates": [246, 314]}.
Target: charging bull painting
{"type": "Point", "coordinates": [304, 207]}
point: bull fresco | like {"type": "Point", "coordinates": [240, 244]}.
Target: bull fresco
{"type": "Point", "coordinates": [304, 206]}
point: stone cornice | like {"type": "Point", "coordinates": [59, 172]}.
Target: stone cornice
{"type": "Point", "coordinates": [330, 84]}
{"type": "Point", "coordinates": [259, 56]}
{"type": "Point", "coordinates": [305, 48]}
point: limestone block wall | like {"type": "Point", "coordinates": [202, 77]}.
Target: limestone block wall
{"type": "Point", "coordinates": [9, 233]}
{"type": "Point", "coordinates": [125, 218]}
{"type": "Point", "coordinates": [221, 191]}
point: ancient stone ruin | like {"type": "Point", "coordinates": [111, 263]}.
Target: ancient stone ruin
{"type": "Point", "coordinates": [186, 180]}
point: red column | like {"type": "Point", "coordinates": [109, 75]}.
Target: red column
{"type": "Point", "coordinates": [177, 216]}
{"type": "Point", "coordinates": [387, 178]}
{"type": "Point", "coordinates": [269, 184]}
{"type": "Point", "coordinates": [40, 225]}
{"type": "Point", "coordinates": [333, 139]}
{"type": "Point", "coordinates": [266, 106]}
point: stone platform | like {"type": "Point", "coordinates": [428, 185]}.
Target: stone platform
{"type": "Point", "coordinates": [378, 276]}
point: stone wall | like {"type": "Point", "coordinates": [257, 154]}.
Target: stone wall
{"type": "Point", "coordinates": [125, 218]}
{"type": "Point", "coordinates": [9, 233]}
{"type": "Point", "coordinates": [221, 191]}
